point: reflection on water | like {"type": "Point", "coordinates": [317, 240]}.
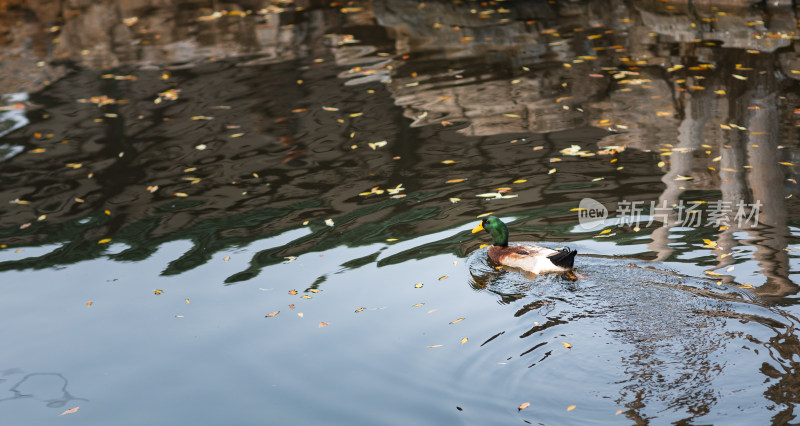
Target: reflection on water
{"type": "Point", "coordinates": [372, 135]}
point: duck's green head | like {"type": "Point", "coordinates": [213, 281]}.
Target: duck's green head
{"type": "Point", "coordinates": [496, 228]}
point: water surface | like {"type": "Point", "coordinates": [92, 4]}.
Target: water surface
{"type": "Point", "coordinates": [262, 215]}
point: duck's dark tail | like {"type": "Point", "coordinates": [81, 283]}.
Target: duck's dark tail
{"type": "Point", "coordinates": [564, 258]}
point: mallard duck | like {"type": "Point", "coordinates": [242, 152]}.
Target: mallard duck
{"type": "Point", "coordinates": [529, 257]}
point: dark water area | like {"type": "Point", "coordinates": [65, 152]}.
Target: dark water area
{"type": "Point", "coordinates": [260, 212]}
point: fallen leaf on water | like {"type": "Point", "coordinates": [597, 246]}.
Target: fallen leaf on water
{"type": "Point", "coordinates": [272, 314]}
{"type": "Point", "coordinates": [443, 277]}
{"type": "Point", "coordinates": [709, 243]}
{"type": "Point", "coordinates": [329, 222]}
{"type": "Point", "coordinates": [448, 162]}
{"type": "Point", "coordinates": [456, 180]}
{"type": "Point", "coordinates": [291, 306]}
{"type": "Point", "coordinates": [605, 231]}
{"type": "Point", "coordinates": [157, 291]}
{"type": "Point", "coordinates": [314, 290]}
{"type": "Point", "coordinates": [523, 406]}
{"type": "Point", "coordinates": [323, 324]}
{"type": "Point", "coordinates": [305, 296]}
{"type": "Point", "coordinates": [786, 164]}
{"type": "Point", "coordinates": [566, 345]}
{"type": "Point", "coordinates": [551, 171]}
{"type": "Point", "coordinates": [391, 239]}
{"type": "Point", "coordinates": [152, 188]}
{"type": "Point", "coordinates": [454, 200]}
{"type": "Point", "coordinates": [360, 309]}
{"type": "Point", "coordinates": [326, 108]}
{"type": "Point", "coordinates": [418, 285]}
{"type": "Point", "coordinates": [712, 273]}
{"type": "Point", "coordinates": [227, 258]}
{"type": "Point", "coordinates": [520, 181]}
{"type": "Point", "coordinates": [458, 320]}
{"type": "Point", "coordinates": [464, 340]}
{"type": "Point", "coordinates": [293, 292]}
{"type": "Point", "coordinates": [376, 145]}
{"type": "Point", "coordinates": [745, 286]}
{"type": "Point", "coordinates": [435, 346]}
{"type": "Point", "coordinates": [618, 412]}
{"type": "Point", "coordinates": [187, 301]}
{"type": "Point", "coordinates": [88, 303]}
{"type": "Point", "coordinates": [70, 411]}
{"type": "Point", "coordinates": [180, 194]}
{"type": "Point", "coordinates": [570, 408]}
{"type": "Point", "coordinates": [104, 240]}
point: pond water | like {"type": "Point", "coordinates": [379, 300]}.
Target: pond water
{"type": "Point", "coordinates": [261, 214]}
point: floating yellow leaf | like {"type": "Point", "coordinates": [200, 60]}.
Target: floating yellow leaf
{"type": "Point", "coordinates": [360, 309]}
{"type": "Point", "coordinates": [226, 258]}
{"type": "Point", "coordinates": [376, 145]}
{"type": "Point", "coordinates": [323, 324]}
{"type": "Point", "coordinates": [70, 411]}
{"type": "Point", "coordinates": [786, 164]}
{"type": "Point", "coordinates": [443, 277]}
{"type": "Point", "coordinates": [435, 346]}
{"type": "Point", "coordinates": [180, 194]}
{"type": "Point", "coordinates": [739, 77]}
{"type": "Point", "coordinates": [483, 245]}
{"type": "Point", "coordinates": [326, 108]}
{"type": "Point", "coordinates": [89, 303]}
{"type": "Point", "coordinates": [464, 340]}
{"type": "Point", "coordinates": [745, 286]}
{"type": "Point", "coordinates": [523, 406]}
{"type": "Point", "coordinates": [551, 171]}
{"type": "Point", "coordinates": [458, 320]}
{"type": "Point", "coordinates": [618, 412]}
{"type": "Point", "coordinates": [272, 314]}
{"type": "Point", "coordinates": [329, 222]}
{"type": "Point", "coordinates": [566, 345]}
{"type": "Point", "coordinates": [570, 408]}
{"type": "Point", "coordinates": [712, 273]}
{"type": "Point", "coordinates": [293, 292]}
{"type": "Point", "coordinates": [577, 209]}
{"type": "Point", "coordinates": [448, 162]}
{"type": "Point", "coordinates": [187, 301]}
{"type": "Point", "coordinates": [300, 314]}
{"type": "Point", "coordinates": [684, 178]}
{"type": "Point", "coordinates": [520, 181]}
{"type": "Point", "coordinates": [456, 180]}
{"type": "Point", "coordinates": [417, 305]}
{"type": "Point", "coordinates": [157, 291]}
{"type": "Point", "coordinates": [418, 285]}
{"type": "Point", "coordinates": [391, 239]}
{"type": "Point", "coordinates": [104, 240]}
{"type": "Point", "coordinates": [455, 200]}
{"type": "Point", "coordinates": [305, 296]}
{"type": "Point", "coordinates": [605, 231]}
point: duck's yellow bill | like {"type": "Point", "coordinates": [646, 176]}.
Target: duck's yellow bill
{"type": "Point", "coordinates": [478, 228]}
